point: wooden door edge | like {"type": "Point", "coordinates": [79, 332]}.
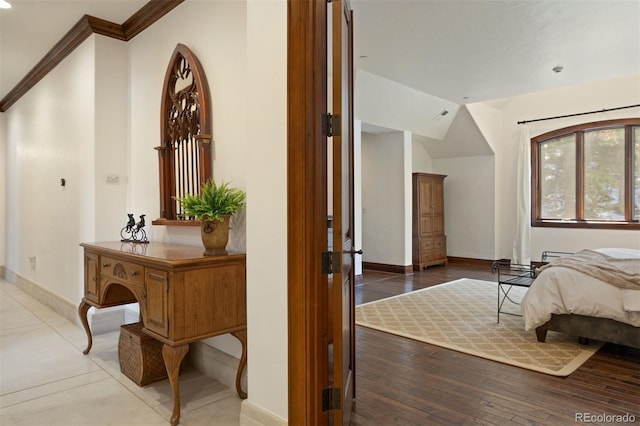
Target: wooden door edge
{"type": "Point", "coordinates": [306, 197]}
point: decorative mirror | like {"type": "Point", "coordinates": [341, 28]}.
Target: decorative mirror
{"type": "Point", "coordinates": [185, 127]}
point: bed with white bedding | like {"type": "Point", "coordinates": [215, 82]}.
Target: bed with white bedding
{"type": "Point", "coordinates": [592, 294]}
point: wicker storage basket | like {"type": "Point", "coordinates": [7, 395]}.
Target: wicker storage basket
{"type": "Point", "coordinates": [140, 355]}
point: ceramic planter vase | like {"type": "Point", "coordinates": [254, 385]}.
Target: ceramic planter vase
{"type": "Point", "coordinates": [215, 235]}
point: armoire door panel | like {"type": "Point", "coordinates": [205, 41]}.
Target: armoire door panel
{"type": "Point", "coordinates": [429, 246]}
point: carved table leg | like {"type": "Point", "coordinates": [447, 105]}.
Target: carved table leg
{"type": "Point", "coordinates": [173, 356]}
{"type": "Point", "coordinates": [242, 336]}
{"type": "Point", "coordinates": [82, 312]}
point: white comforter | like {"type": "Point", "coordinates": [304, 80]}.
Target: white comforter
{"type": "Point", "coordinates": [561, 290]}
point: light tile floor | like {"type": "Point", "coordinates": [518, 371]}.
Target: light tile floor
{"type": "Point", "coordinates": [46, 380]}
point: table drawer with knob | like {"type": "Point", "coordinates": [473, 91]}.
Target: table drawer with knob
{"type": "Point", "coordinates": [123, 271]}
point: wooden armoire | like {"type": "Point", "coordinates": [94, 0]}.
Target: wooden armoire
{"type": "Point", "coordinates": [429, 240]}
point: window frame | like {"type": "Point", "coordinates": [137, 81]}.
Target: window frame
{"type": "Point", "coordinates": [579, 130]}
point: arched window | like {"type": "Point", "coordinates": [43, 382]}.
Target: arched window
{"type": "Point", "coordinates": [587, 176]}
{"type": "Point", "coordinates": [185, 127]}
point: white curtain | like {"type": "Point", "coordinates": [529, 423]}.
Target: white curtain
{"type": "Point", "coordinates": [522, 238]}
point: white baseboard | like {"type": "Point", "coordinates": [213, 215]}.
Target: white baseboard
{"type": "Point", "coordinates": [254, 415]}
{"type": "Point", "coordinates": [107, 320]}
{"type": "Point", "coordinates": [100, 320]}
{"type": "Point", "coordinates": [131, 314]}
{"type": "Point", "coordinates": [48, 298]}
{"type": "Point", "coordinates": [103, 321]}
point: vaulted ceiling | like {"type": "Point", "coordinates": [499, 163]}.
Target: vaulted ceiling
{"type": "Point", "coordinates": [476, 50]}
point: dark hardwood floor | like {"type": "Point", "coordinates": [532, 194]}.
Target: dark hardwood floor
{"type": "Point", "coordinates": [404, 382]}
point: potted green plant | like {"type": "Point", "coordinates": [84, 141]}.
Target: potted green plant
{"type": "Point", "coordinates": [214, 207]}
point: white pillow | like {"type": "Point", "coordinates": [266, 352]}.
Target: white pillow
{"type": "Point", "coordinates": [620, 253]}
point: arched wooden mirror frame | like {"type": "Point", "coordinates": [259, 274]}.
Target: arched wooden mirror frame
{"type": "Point", "coordinates": [186, 133]}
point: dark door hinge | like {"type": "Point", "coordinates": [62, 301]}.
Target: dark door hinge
{"type": "Point", "coordinates": [331, 399]}
{"type": "Point", "coordinates": [330, 124]}
{"type": "Point", "coordinates": [331, 262]}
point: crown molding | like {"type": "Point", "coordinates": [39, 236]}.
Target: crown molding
{"type": "Point", "coordinates": [85, 27]}
{"type": "Point", "coordinates": [147, 15]}
{"type": "Point", "coordinates": [105, 28]}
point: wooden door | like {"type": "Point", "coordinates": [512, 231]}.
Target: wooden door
{"type": "Point", "coordinates": [307, 211]}
{"type": "Point", "coordinates": [342, 298]}
{"type": "Point", "coordinates": [308, 313]}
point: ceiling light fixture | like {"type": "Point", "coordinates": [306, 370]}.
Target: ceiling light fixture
{"type": "Point", "coordinates": [557, 69]}
{"type": "Point", "coordinates": [4, 4]}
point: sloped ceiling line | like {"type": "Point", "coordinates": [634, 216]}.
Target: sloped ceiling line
{"type": "Point", "coordinates": [464, 138]}
{"type": "Point", "coordinates": [85, 27]}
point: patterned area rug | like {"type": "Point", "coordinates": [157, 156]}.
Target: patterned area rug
{"type": "Point", "coordinates": [461, 315]}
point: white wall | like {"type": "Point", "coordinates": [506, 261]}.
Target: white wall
{"type": "Point", "coordinates": [384, 197]}
{"type": "Point", "coordinates": [385, 103]}
{"type": "Point", "coordinates": [389, 104]}
{"type": "Point", "coordinates": [97, 114]}
{"type": "Point", "coordinates": [407, 199]}
{"type": "Point", "coordinates": [50, 135]}
{"type": "Point", "coordinates": [220, 45]}
{"type": "Point", "coordinates": [463, 139]}
{"type": "Point", "coordinates": [469, 198]}
{"type": "Point", "coordinates": [587, 97]}
{"type": "Point", "coordinates": [266, 161]}
{"type": "Point", "coordinates": [3, 187]}
{"type": "Point", "coordinates": [421, 161]}
{"type": "Point", "coordinates": [469, 205]}
{"type": "Point", "coordinates": [357, 193]}
{"type": "Point", "coordinates": [480, 190]}
{"type": "Point", "coordinates": [492, 207]}
{"type": "Point", "coordinates": [218, 39]}
{"type": "Point", "coordinates": [111, 136]}
{"type": "Point", "coordinates": [572, 240]}
{"type": "Point", "coordinates": [244, 57]}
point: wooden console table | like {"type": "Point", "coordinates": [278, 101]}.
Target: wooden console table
{"type": "Point", "coordinates": [183, 296]}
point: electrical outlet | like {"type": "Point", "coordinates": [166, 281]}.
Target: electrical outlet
{"type": "Point", "coordinates": [113, 179]}
{"type": "Point", "coordinates": [32, 262]}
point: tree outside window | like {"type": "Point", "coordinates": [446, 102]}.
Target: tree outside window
{"type": "Point", "coordinates": [604, 174]}
{"type": "Point", "coordinates": [558, 178]}
{"type": "Point", "coordinates": [587, 176]}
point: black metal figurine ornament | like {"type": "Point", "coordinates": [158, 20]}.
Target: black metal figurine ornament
{"type": "Point", "coordinates": [133, 232]}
